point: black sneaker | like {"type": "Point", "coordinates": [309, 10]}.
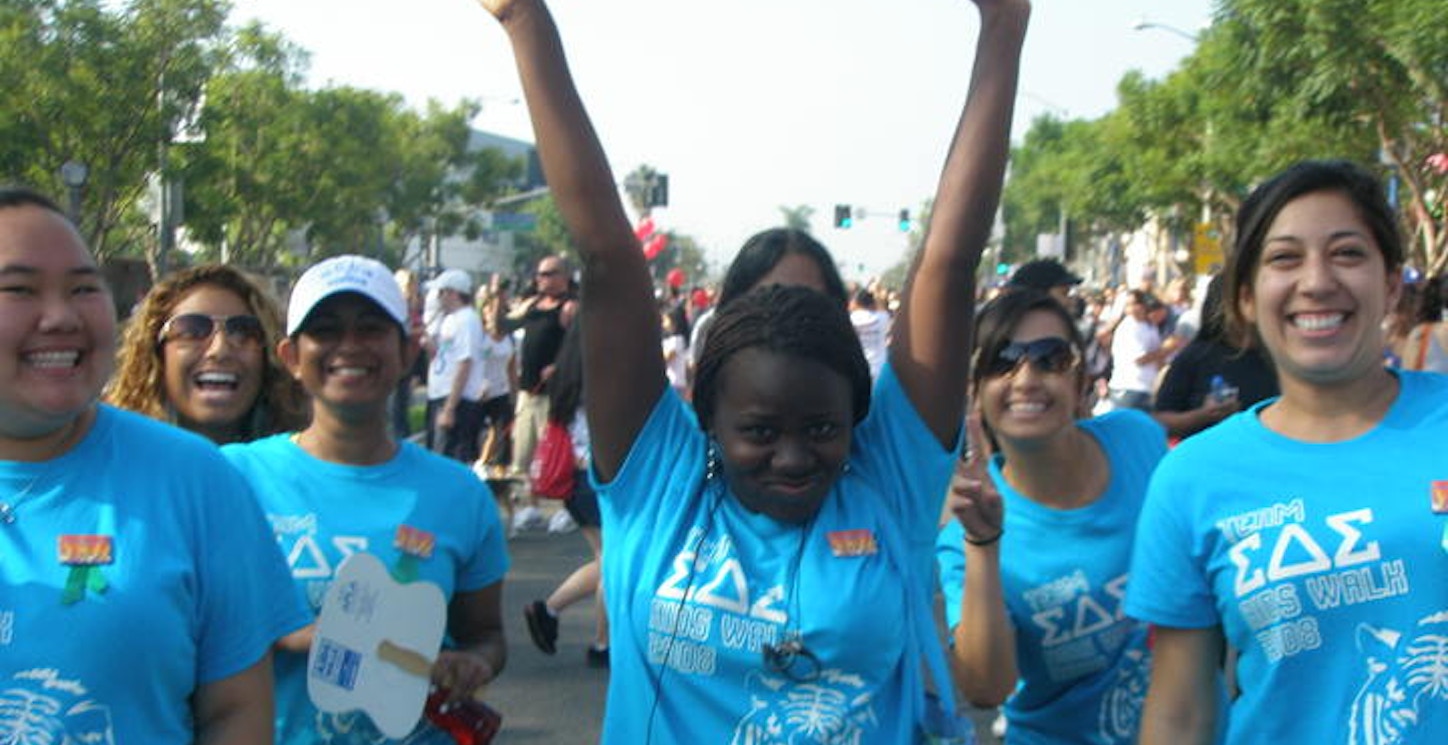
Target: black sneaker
{"type": "Point", "coordinates": [597, 657]}
{"type": "Point", "coordinates": [542, 626]}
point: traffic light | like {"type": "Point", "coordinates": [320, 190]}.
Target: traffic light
{"type": "Point", "coordinates": [904, 221]}
{"type": "Point", "coordinates": [844, 216]}
{"type": "Point", "coordinates": [659, 190]}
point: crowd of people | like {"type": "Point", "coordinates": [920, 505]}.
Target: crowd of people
{"type": "Point", "coordinates": [1149, 519]}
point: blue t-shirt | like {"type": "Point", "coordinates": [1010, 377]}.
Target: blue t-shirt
{"type": "Point", "coordinates": [698, 585]}
{"type": "Point", "coordinates": [324, 512]}
{"type": "Point", "coordinates": [194, 590]}
{"type": "Point", "coordinates": [1083, 665]}
{"type": "Point", "coordinates": [1325, 565]}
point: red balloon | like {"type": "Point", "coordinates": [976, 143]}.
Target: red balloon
{"type": "Point", "coordinates": [645, 229]}
{"type": "Point", "coordinates": [655, 245]}
{"type": "Point", "coordinates": [675, 278]}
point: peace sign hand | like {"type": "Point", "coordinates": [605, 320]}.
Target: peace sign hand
{"type": "Point", "coordinates": [973, 498]}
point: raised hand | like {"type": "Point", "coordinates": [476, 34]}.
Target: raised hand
{"type": "Point", "coordinates": [973, 498]}
{"type": "Point", "coordinates": [500, 8]}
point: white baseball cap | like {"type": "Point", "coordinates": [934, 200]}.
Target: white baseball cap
{"type": "Point", "coordinates": [456, 280]}
{"type": "Point", "coordinates": [367, 277]}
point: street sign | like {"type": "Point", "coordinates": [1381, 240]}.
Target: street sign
{"type": "Point", "coordinates": [515, 222]}
{"type": "Point", "coordinates": [1207, 249]}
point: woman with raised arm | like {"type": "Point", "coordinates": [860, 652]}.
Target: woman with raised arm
{"type": "Point", "coordinates": [1309, 532]}
{"type": "Point", "coordinates": [751, 532]}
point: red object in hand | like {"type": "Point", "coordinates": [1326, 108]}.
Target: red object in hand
{"type": "Point", "coordinates": [468, 722]}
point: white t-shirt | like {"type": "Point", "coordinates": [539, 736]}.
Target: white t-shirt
{"type": "Point", "coordinates": [459, 338]}
{"type": "Point", "coordinates": [873, 328]}
{"type": "Point", "coordinates": [676, 361]}
{"type": "Point", "coordinates": [1133, 339]}
{"type": "Point", "coordinates": [496, 355]}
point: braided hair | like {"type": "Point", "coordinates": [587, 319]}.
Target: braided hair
{"type": "Point", "coordinates": [784, 319]}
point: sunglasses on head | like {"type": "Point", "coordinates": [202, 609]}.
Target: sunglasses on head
{"type": "Point", "coordinates": [199, 327]}
{"type": "Point", "coordinates": [1049, 355]}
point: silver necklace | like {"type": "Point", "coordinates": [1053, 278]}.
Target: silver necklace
{"type": "Point", "coordinates": [8, 507]}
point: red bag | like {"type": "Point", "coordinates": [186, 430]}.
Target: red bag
{"type": "Point", "coordinates": [550, 474]}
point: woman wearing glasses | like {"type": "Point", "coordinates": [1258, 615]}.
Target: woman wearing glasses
{"type": "Point", "coordinates": [1034, 566]}
{"type": "Point", "coordinates": [200, 352]}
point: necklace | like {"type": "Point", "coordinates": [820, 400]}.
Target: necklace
{"type": "Point", "coordinates": [8, 507]}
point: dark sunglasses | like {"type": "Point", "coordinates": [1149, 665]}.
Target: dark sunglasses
{"type": "Point", "coordinates": [1049, 355]}
{"type": "Point", "coordinates": [197, 327]}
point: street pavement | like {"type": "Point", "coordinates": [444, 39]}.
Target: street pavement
{"type": "Point", "coordinates": [547, 699]}
{"type": "Point", "coordinates": [559, 699]}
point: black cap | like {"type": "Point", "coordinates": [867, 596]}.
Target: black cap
{"type": "Point", "coordinates": [1043, 274]}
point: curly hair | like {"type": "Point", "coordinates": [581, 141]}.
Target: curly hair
{"type": "Point", "coordinates": [138, 384]}
{"type": "Point", "coordinates": [785, 319]}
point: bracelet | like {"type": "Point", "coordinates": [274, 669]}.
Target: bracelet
{"type": "Point", "coordinates": [985, 541]}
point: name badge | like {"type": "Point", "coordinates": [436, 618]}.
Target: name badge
{"type": "Point", "coordinates": [414, 542]}
{"type": "Point", "coordinates": [86, 550]}
{"type": "Point", "coordinates": [848, 543]}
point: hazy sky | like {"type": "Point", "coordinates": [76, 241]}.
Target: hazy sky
{"type": "Point", "coordinates": [751, 104]}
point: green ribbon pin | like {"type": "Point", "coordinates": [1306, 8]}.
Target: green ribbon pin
{"type": "Point", "coordinates": [83, 578]}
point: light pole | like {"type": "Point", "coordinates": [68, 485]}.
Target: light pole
{"type": "Point", "coordinates": [1142, 25]}
{"type": "Point", "coordinates": [1145, 24]}
{"type": "Point", "coordinates": [380, 216]}
{"type": "Point", "coordinates": [74, 174]}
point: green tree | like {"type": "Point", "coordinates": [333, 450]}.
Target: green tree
{"type": "Point", "coordinates": [798, 217]}
{"type": "Point", "coordinates": [1373, 71]}
{"type": "Point", "coordinates": [106, 88]}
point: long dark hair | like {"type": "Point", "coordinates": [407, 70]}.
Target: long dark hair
{"type": "Point", "coordinates": [999, 318]}
{"type": "Point", "coordinates": [1261, 207]}
{"type": "Point", "coordinates": [763, 250]}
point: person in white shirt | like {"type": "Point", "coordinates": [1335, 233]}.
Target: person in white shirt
{"type": "Point", "coordinates": [872, 325]}
{"type": "Point", "coordinates": [455, 376]}
{"type": "Point", "coordinates": [1137, 354]}
{"type": "Point", "coordinates": [676, 355]}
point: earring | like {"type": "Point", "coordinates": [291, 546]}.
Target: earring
{"type": "Point", "coordinates": [711, 466]}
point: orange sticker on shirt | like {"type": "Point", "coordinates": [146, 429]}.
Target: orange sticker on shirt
{"type": "Point", "coordinates": [846, 543]}
{"type": "Point", "coordinates": [86, 550]}
{"type": "Point", "coordinates": [414, 542]}
{"type": "Point", "coordinates": [1440, 497]}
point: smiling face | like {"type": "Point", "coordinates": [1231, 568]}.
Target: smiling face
{"type": "Point", "coordinates": [1033, 400]}
{"type": "Point", "coordinates": [783, 425]}
{"type": "Point", "coordinates": [57, 324]}
{"type": "Point", "coordinates": [349, 355]}
{"type": "Point", "coordinates": [212, 383]}
{"type": "Point", "coordinates": [1320, 290]}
